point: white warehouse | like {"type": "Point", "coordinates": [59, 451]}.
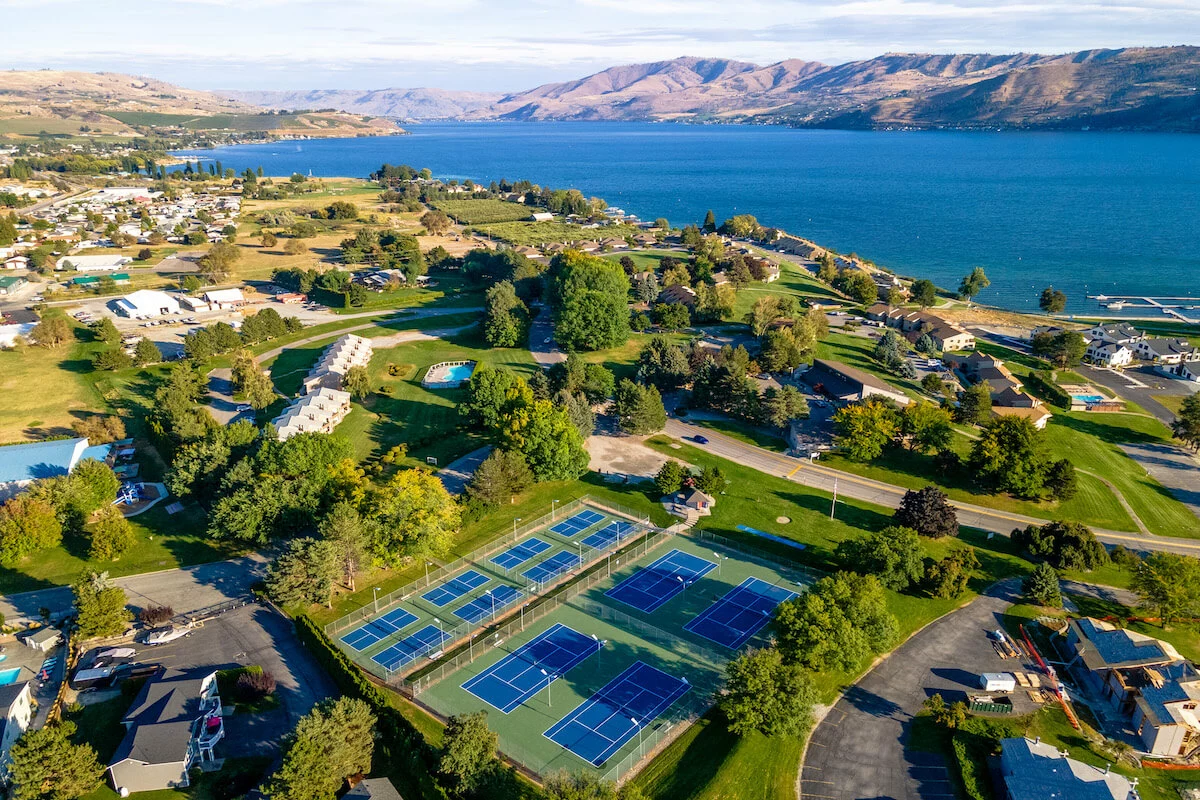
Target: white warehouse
{"type": "Point", "coordinates": [146, 303]}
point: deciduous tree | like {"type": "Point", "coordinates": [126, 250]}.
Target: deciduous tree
{"type": "Point", "coordinates": [332, 742]}
{"type": "Point", "coordinates": [111, 535]}
{"type": "Point", "coordinates": [893, 555]}
{"type": "Point", "coordinates": [928, 512]}
{"type": "Point", "coordinates": [417, 517]}
{"type": "Point", "coordinates": [840, 621]}
{"type": "Point", "coordinates": [864, 428]}
{"type": "Point", "coordinates": [767, 696]}
{"type": "Point", "coordinates": [1168, 584]}
{"type": "Point", "coordinates": [1052, 301]}
{"type": "Point", "coordinates": [1011, 456]}
{"type": "Point", "coordinates": [468, 752]}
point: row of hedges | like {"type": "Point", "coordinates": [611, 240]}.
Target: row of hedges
{"type": "Point", "coordinates": [1041, 385]}
{"type": "Point", "coordinates": [410, 760]}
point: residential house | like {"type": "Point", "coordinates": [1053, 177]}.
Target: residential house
{"type": "Point", "coordinates": [843, 382]}
{"type": "Point", "coordinates": [320, 411]}
{"type": "Point", "coordinates": [946, 336]}
{"type": "Point", "coordinates": [336, 360]}
{"type": "Point", "coordinates": [541, 216]}
{"type": "Point", "coordinates": [21, 464]}
{"type": "Point", "coordinates": [1166, 351]}
{"type": "Point", "coordinates": [1108, 354]}
{"type": "Point", "coordinates": [1143, 678]}
{"type": "Point", "coordinates": [1033, 770]}
{"type": "Point", "coordinates": [678, 294]}
{"type": "Point", "coordinates": [696, 500]}
{"type": "Point", "coordinates": [146, 303]}
{"type": "Point", "coordinates": [16, 262]}
{"type": "Point", "coordinates": [1116, 333]}
{"type": "Point", "coordinates": [16, 713]}
{"type": "Point", "coordinates": [225, 299]}
{"type": "Point", "coordinates": [10, 283]}
{"type": "Point", "coordinates": [373, 789]}
{"type": "Point", "coordinates": [107, 263]}
{"type": "Point", "coordinates": [1039, 416]}
{"type": "Point", "coordinates": [174, 723]}
{"type": "Point", "coordinates": [1183, 372]}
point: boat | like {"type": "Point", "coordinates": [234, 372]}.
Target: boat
{"type": "Point", "coordinates": [1101, 297]}
{"type": "Point", "coordinates": [1115, 305]}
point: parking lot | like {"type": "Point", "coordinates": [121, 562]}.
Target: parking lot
{"type": "Point", "coordinates": [251, 635]}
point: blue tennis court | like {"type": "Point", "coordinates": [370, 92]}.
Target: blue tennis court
{"type": "Point", "coordinates": [610, 533]}
{"type": "Point", "coordinates": [411, 647]}
{"type": "Point", "coordinates": [379, 629]}
{"type": "Point", "coordinates": [742, 612]}
{"type": "Point", "coordinates": [520, 553]}
{"type": "Point", "coordinates": [651, 586]}
{"type": "Point", "coordinates": [455, 588]}
{"type": "Point", "coordinates": [578, 523]}
{"type": "Point", "coordinates": [554, 565]}
{"type": "Point", "coordinates": [526, 671]}
{"type": "Point", "coordinates": [488, 603]}
{"type": "Point", "coordinates": [603, 723]}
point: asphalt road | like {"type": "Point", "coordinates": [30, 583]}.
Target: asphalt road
{"type": "Point", "coordinates": [1139, 385]}
{"type": "Point", "coordinates": [887, 495]}
{"type": "Point", "coordinates": [859, 750]}
{"type": "Point", "coordinates": [541, 340]}
{"type": "Point", "coordinates": [185, 590]}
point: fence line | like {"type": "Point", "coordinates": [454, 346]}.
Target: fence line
{"type": "Point", "coordinates": [761, 555]}
{"type": "Point", "coordinates": [439, 574]}
{"type": "Point", "coordinates": [419, 681]}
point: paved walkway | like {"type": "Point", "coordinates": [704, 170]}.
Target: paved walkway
{"type": "Point", "coordinates": [859, 749]}
{"type": "Point", "coordinates": [457, 474]}
{"type": "Point", "coordinates": [889, 496]}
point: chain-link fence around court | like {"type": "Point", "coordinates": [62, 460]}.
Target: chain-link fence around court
{"type": "Point", "coordinates": [449, 636]}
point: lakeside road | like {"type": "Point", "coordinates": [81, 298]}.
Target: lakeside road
{"type": "Point", "coordinates": [888, 495]}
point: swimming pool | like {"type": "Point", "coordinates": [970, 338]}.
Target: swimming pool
{"type": "Point", "coordinates": [1088, 399]}
{"type": "Point", "coordinates": [9, 676]}
{"type": "Point", "coordinates": [448, 374]}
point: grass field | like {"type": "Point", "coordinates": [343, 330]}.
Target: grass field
{"type": "Point", "coordinates": [63, 390]}
{"type": "Point", "coordinates": [538, 233]}
{"type": "Point", "coordinates": [793, 280]}
{"type": "Point", "coordinates": [404, 411]}
{"type": "Point", "coordinates": [483, 211]}
{"type": "Point", "coordinates": [856, 351]}
{"type": "Point", "coordinates": [648, 259]}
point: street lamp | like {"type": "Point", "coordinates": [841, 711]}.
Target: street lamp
{"type": "Point", "coordinates": [426, 573]}
{"type": "Point", "coordinates": [553, 504]}
{"type": "Point", "coordinates": [639, 730]}
{"type": "Point", "coordinates": [515, 521]}
{"type": "Point", "coordinates": [599, 648]}
{"type": "Point", "coordinates": [375, 592]}
{"type": "Point", "coordinates": [550, 676]}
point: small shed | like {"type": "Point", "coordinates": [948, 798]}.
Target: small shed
{"type": "Point", "coordinates": [997, 682]}
{"type": "Point", "coordinates": [44, 639]}
{"type": "Point", "coordinates": [373, 789]}
{"type": "Point", "coordinates": [696, 499]}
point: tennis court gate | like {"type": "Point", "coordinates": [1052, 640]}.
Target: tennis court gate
{"type": "Point", "coordinates": [527, 615]}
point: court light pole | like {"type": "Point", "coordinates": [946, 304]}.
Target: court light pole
{"type": "Point", "coordinates": [553, 506]}
{"type": "Point", "coordinates": [639, 730]}
{"type": "Point", "coordinates": [550, 676]}
{"type": "Point", "coordinates": [426, 573]}
{"type": "Point", "coordinates": [515, 521]}
{"type": "Point", "coordinates": [375, 593]}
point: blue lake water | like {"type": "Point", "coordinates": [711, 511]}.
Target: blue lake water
{"type": "Point", "coordinates": [1091, 213]}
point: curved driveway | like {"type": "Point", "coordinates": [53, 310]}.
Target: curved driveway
{"type": "Point", "coordinates": [859, 749]}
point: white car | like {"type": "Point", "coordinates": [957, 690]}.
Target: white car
{"type": "Point", "coordinates": [165, 635]}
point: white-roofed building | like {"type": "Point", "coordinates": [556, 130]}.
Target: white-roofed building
{"type": "Point", "coordinates": [225, 298]}
{"type": "Point", "coordinates": [110, 263]}
{"type": "Point", "coordinates": [318, 412]}
{"type": "Point", "coordinates": [330, 370]}
{"type": "Point", "coordinates": [147, 303]}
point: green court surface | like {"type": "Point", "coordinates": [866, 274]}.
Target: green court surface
{"type": "Point", "coordinates": [657, 639]}
{"type": "Point", "coordinates": [419, 622]}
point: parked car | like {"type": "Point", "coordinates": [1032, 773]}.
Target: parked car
{"type": "Point", "coordinates": [243, 408]}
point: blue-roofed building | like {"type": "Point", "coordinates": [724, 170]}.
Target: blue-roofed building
{"type": "Point", "coordinates": [1034, 770]}
{"type": "Point", "coordinates": [1144, 679]}
{"type": "Point", "coordinates": [21, 464]}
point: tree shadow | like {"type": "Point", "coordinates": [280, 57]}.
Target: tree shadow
{"type": "Point", "coordinates": [871, 703]}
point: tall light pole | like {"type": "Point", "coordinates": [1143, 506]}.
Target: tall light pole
{"type": "Point", "coordinates": [515, 521]}
{"type": "Point", "coordinates": [426, 573]}
{"type": "Point", "coordinates": [553, 505]}
{"type": "Point", "coordinates": [375, 592]}
{"type": "Point", "coordinates": [550, 676]}
{"type": "Point", "coordinates": [639, 730]}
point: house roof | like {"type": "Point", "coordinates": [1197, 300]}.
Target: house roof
{"type": "Point", "coordinates": [1179, 684]}
{"type": "Point", "coordinates": [27, 462]}
{"type": "Point", "coordinates": [1163, 347]}
{"type": "Point", "coordinates": [1034, 415]}
{"type": "Point", "coordinates": [224, 296]}
{"type": "Point", "coordinates": [9, 695]}
{"type": "Point", "coordinates": [854, 376]}
{"type": "Point", "coordinates": [373, 789]}
{"type": "Point", "coordinates": [1034, 770]}
{"type": "Point", "coordinates": [170, 695]}
{"type": "Point", "coordinates": [156, 743]}
{"type": "Point", "coordinates": [1115, 647]}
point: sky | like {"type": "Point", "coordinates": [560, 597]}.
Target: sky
{"type": "Point", "coordinates": [506, 45]}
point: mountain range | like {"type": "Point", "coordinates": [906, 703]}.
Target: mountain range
{"type": "Point", "coordinates": [1137, 88]}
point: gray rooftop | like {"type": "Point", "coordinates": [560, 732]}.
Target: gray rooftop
{"type": "Point", "coordinates": [1118, 649]}
{"type": "Point", "coordinates": [1036, 771]}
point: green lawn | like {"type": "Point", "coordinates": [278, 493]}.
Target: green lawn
{"type": "Point", "coordinates": [401, 410]}
{"type": "Point", "coordinates": [650, 260]}
{"type": "Point", "coordinates": [856, 352]}
{"type": "Point", "coordinates": [793, 280]}
{"type": "Point", "coordinates": [63, 389]}
{"type": "Point", "coordinates": [482, 211]}
{"type": "Point", "coordinates": [539, 233]}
